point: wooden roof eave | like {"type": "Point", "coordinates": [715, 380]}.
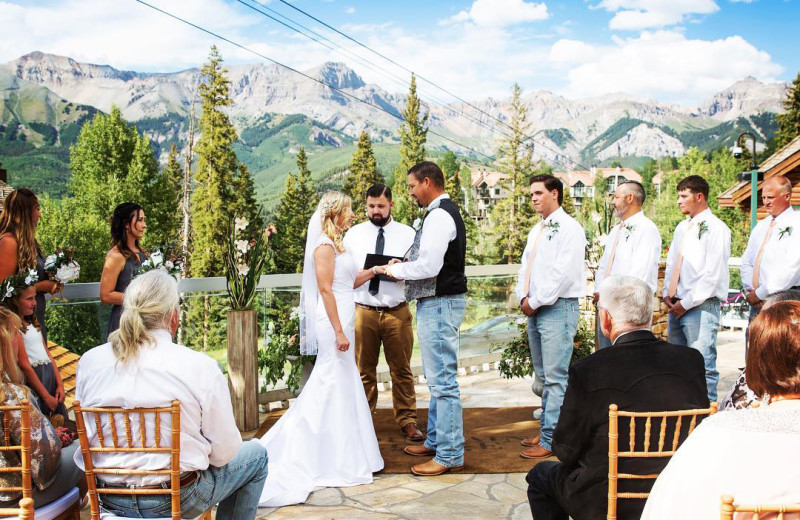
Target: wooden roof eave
{"type": "Point", "coordinates": [741, 192]}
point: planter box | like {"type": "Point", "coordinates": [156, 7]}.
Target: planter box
{"type": "Point", "coordinates": [243, 367]}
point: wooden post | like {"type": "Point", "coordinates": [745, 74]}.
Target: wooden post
{"type": "Point", "coordinates": [243, 367]}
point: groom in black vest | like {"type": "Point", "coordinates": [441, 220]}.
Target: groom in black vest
{"type": "Point", "coordinates": [434, 275]}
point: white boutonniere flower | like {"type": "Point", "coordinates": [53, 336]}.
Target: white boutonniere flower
{"type": "Point", "coordinates": [628, 229]}
{"type": "Point", "coordinates": [550, 227]}
{"type": "Point", "coordinates": [701, 229]}
{"type": "Point", "coordinates": [417, 224]}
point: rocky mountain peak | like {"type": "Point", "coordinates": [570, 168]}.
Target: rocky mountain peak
{"type": "Point", "coordinates": [746, 96]}
{"type": "Point", "coordinates": [338, 75]}
{"type": "Point", "coordinates": [41, 67]}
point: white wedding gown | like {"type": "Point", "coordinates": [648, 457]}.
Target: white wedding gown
{"type": "Point", "coordinates": [326, 438]}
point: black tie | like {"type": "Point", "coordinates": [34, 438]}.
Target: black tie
{"type": "Point", "coordinates": [375, 282]}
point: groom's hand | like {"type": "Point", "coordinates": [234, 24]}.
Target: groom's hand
{"type": "Point", "coordinates": [395, 261]}
{"type": "Point", "coordinates": [527, 310]}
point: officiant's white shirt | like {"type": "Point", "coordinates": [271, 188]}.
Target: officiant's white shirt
{"type": "Point", "coordinates": [780, 264]}
{"type": "Point", "coordinates": [159, 374]}
{"type": "Point", "coordinates": [438, 230]}
{"type": "Point", "coordinates": [360, 241]}
{"type": "Point", "coordinates": [558, 267]}
{"type": "Point", "coordinates": [638, 251]}
{"type": "Point", "coordinates": [704, 270]}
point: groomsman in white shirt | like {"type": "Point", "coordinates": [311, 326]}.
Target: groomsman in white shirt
{"type": "Point", "coordinates": [697, 278]}
{"type": "Point", "coordinates": [633, 247]}
{"type": "Point", "coordinates": [771, 262]}
{"type": "Point", "coordinates": [382, 314]}
{"type": "Point", "coordinates": [551, 281]}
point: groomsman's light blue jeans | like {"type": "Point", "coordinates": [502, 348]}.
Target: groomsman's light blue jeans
{"type": "Point", "coordinates": [438, 321]}
{"type": "Point", "coordinates": [551, 333]}
{"type": "Point", "coordinates": [698, 329]}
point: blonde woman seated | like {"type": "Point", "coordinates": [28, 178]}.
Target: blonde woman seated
{"type": "Point", "coordinates": [751, 454]}
{"type": "Point", "coordinates": [142, 367]}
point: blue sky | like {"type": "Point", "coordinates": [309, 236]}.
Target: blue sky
{"type": "Point", "coordinates": [679, 51]}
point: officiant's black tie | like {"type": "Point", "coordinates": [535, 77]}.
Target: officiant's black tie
{"type": "Point", "coordinates": [376, 282]}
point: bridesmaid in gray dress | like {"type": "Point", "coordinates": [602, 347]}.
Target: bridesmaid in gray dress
{"type": "Point", "coordinates": [126, 255]}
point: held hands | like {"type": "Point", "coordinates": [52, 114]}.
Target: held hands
{"type": "Point", "coordinates": [60, 393]}
{"type": "Point", "coordinates": [754, 300]}
{"type": "Point", "coordinates": [527, 310]}
{"type": "Point", "coordinates": [342, 343]}
{"type": "Point", "coordinates": [50, 402]}
{"type": "Point", "coordinates": [677, 309]}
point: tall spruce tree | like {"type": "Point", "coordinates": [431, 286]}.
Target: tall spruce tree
{"type": "Point", "coordinates": [514, 216]}
{"type": "Point", "coordinates": [363, 174]}
{"type": "Point", "coordinates": [413, 135]}
{"type": "Point", "coordinates": [451, 167]}
{"type": "Point", "coordinates": [789, 122]}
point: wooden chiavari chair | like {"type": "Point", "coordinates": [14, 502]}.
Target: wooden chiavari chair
{"type": "Point", "coordinates": [107, 416]}
{"type": "Point", "coordinates": [663, 450]}
{"type": "Point", "coordinates": [728, 509]}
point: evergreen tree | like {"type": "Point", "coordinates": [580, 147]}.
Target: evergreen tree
{"type": "Point", "coordinates": [789, 122]}
{"type": "Point", "coordinates": [244, 202]}
{"type": "Point", "coordinates": [413, 135]}
{"type": "Point", "coordinates": [167, 228]}
{"type": "Point", "coordinates": [363, 174]}
{"type": "Point", "coordinates": [451, 168]}
{"type": "Point", "coordinates": [514, 216]}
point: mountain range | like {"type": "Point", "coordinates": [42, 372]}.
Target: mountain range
{"type": "Point", "coordinates": [45, 98]}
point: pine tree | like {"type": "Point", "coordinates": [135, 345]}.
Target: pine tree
{"type": "Point", "coordinates": [244, 203]}
{"type": "Point", "coordinates": [363, 174]}
{"type": "Point", "coordinates": [413, 135]}
{"type": "Point", "coordinates": [222, 186]}
{"type": "Point", "coordinates": [514, 216]}
{"type": "Point", "coordinates": [789, 122]}
{"type": "Point", "coordinates": [163, 229]}
{"type": "Point", "coordinates": [451, 168]}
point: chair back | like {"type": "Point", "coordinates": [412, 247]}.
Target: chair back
{"type": "Point", "coordinates": [676, 420]}
{"type": "Point", "coordinates": [25, 509]}
{"type": "Point", "coordinates": [106, 420]}
{"type": "Point", "coordinates": [728, 509]}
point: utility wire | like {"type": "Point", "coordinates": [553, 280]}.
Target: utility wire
{"type": "Point", "coordinates": [341, 91]}
{"type": "Point", "coordinates": [390, 60]}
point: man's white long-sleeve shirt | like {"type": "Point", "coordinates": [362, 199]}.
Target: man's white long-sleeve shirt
{"type": "Point", "coordinates": [558, 267]}
{"type": "Point", "coordinates": [637, 254]}
{"type": "Point", "coordinates": [159, 374]}
{"type": "Point", "coordinates": [438, 230]}
{"type": "Point", "coordinates": [704, 271]}
{"type": "Point", "coordinates": [780, 264]}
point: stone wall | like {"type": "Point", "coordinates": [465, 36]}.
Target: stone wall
{"type": "Point", "coordinates": [660, 314]}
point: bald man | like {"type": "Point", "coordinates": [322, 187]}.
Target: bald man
{"type": "Point", "coordinates": [633, 246]}
{"type": "Point", "coordinates": [771, 262]}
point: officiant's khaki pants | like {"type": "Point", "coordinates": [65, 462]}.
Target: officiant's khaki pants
{"type": "Point", "coordinates": [394, 329]}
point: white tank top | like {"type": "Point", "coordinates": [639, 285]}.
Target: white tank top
{"type": "Point", "coordinates": [34, 346]}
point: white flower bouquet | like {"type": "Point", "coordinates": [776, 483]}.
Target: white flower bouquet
{"type": "Point", "coordinates": [173, 263]}
{"type": "Point", "coordinates": [62, 267]}
{"type": "Point", "coordinates": [244, 262]}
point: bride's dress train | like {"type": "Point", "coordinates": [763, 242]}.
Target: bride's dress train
{"type": "Point", "coordinates": [326, 438]}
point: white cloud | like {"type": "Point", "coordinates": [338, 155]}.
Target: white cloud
{"type": "Point", "coordinates": [646, 14]}
{"type": "Point", "coordinates": [500, 13]}
{"type": "Point", "coordinates": [350, 10]}
{"type": "Point", "coordinates": [664, 65]}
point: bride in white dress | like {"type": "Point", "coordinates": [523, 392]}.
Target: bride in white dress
{"type": "Point", "coordinates": [326, 438]}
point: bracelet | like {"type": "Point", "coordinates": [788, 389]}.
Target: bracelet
{"type": "Point", "coordinates": [374, 272]}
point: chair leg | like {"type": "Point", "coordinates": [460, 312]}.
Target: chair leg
{"type": "Point", "coordinates": [206, 515]}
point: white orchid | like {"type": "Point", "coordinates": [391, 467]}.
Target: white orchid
{"type": "Point", "coordinates": [242, 245]}
{"type": "Point", "coordinates": [596, 218]}
{"type": "Point", "coordinates": [243, 269]}
{"type": "Point", "coordinates": [240, 224]}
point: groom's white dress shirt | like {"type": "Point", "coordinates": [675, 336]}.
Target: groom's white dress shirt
{"type": "Point", "coordinates": [706, 250]}
{"type": "Point", "coordinates": [558, 267]}
{"type": "Point", "coordinates": [438, 230]}
{"type": "Point", "coordinates": [360, 241]}
{"type": "Point", "coordinates": [780, 262]}
{"type": "Point", "coordinates": [159, 374]}
{"type": "Point", "coordinates": [637, 253]}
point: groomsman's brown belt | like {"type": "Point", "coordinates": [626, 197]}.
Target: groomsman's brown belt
{"type": "Point", "coordinates": [382, 309]}
{"type": "Point", "coordinates": [186, 479]}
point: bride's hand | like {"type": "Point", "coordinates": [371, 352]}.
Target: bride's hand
{"type": "Point", "coordinates": [342, 343]}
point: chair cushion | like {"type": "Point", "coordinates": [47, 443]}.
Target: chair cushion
{"type": "Point", "coordinates": [55, 508]}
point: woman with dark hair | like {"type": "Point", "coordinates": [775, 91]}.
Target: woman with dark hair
{"type": "Point", "coordinates": [126, 255]}
{"type": "Point", "coordinates": [750, 454]}
{"type": "Point", "coordinates": [19, 250]}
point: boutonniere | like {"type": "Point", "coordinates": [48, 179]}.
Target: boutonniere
{"type": "Point", "coordinates": [784, 231]}
{"type": "Point", "coordinates": [417, 225]}
{"type": "Point", "coordinates": [628, 229]}
{"type": "Point", "coordinates": [701, 228]}
{"type": "Point", "coordinates": [550, 227]}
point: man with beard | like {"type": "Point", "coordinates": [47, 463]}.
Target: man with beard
{"type": "Point", "coordinates": [382, 314]}
{"type": "Point", "coordinates": [633, 246]}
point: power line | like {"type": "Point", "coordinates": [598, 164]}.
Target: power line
{"type": "Point", "coordinates": [341, 91]}
{"type": "Point", "coordinates": [390, 60]}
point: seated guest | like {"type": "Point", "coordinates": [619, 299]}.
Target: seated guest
{"type": "Point", "coordinates": [53, 471]}
{"type": "Point", "coordinates": [750, 454]}
{"type": "Point", "coordinates": [142, 367]}
{"type": "Point", "coordinates": [740, 395]}
{"type": "Point", "coordinates": [638, 373]}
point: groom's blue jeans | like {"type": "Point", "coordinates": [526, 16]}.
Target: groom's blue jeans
{"type": "Point", "coordinates": [236, 487]}
{"type": "Point", "coordinates": [438, 321]}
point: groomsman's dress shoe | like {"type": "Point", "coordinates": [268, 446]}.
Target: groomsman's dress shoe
{"type": "Point", "coordinates": [419, 451]}
{"type": "Point", "coordinates": [431, 469]}
{"type": "Point", "coordinates": [531, 442]}
{"type": "Point", "coordinates": [412, 433]}
{"type": "Point", "coordinates": [536, 452]}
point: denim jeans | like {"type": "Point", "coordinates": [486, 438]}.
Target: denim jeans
{"type": "Point", "coordinates": [236, 487]}
{"type": "Point", "coordinates": [698, 329]}
{"type": "Point", "coordinates": [551, 336]}
{"type": "Point", "coordinates": [438, 321]}
{"type": "Point", "coordinates": [602, 340]}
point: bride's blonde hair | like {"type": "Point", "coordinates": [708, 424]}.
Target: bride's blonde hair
{"type": "Point", "coordinates": [331, 205]}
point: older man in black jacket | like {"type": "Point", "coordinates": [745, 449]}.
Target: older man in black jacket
{"type": "Point", "coordinates": [639, 373]}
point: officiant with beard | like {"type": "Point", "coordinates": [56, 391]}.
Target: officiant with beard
{"type": "Point", "coordinates": [382, 314]}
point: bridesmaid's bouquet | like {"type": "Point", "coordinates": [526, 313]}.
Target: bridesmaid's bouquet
{"type": "Point", "coordinates": [174, 263]}
{"type": "Point", "coordinates": [62, 267]}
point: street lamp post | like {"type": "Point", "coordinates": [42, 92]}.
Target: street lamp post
{"type": "Point", "coordinates": [753, 175]}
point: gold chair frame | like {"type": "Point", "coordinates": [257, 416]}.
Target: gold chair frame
{"type": "Point", "coordinates": [728, 509]}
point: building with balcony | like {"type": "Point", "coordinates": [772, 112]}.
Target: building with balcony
{"type": "Point", "coordinates": [487, 188]}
